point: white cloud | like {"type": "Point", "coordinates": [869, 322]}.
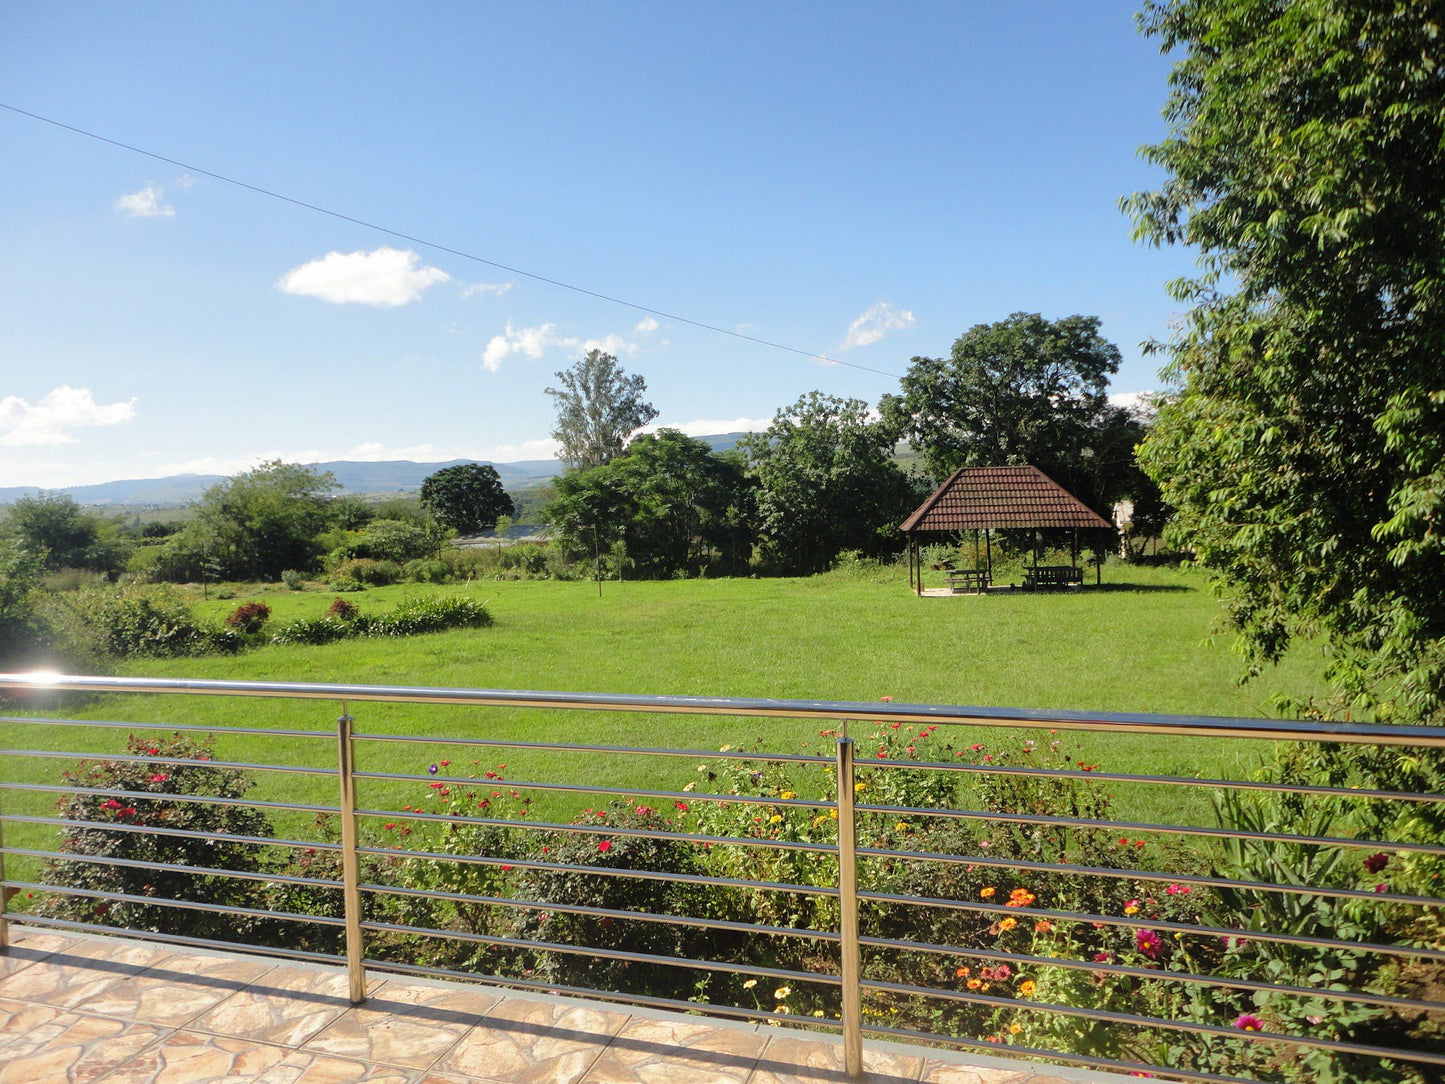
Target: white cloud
{"type": "Point", "coordinates": [147, 203]}
{"type": "Point", "coordinates": [484, 288]}
{"type": "Point", "coordinates": [534, 342]}
{"type": "Point", "coordinates": [384, 278]}
{"type": "Point", "coordinates": [705, 427]}
{"type": "Point", "coordinates": [1142, 404]}
{"type": "Point", "coordinates": [646, 326]}
{"type": "Point", "coordinates": [185, 180]}
{"type": "Point", "coordinates": [877, 322]}
{"type": "Point", "coordinates": [61, 409]}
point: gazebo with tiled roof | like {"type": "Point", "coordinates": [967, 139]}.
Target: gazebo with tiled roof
{"type": "Point", "coordinates": [993, 498]}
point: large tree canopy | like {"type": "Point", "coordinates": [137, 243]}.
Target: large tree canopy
{"type": "Point", "coordinates": [467, 497]}
{"type": "Point", "coordinates": [1306, 451]}
{"type": "Point", "coordinates": [62, 535]}
{"type": "Point", "coordinates": [1023, 390]}
{"type": "Point", "coordinates": [827, 482]}
{"type": "Point", "coordinates": [598, 407]}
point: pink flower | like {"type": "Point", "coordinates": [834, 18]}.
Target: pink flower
{"type": "Point", "coordinates": [1149, 943]}
{"type": "Point", "coordinates": [1377, 861]}
{"type": "Point", "coordinates": [1102, 957]}
{"type": "Point", "coordinates": [159, 777]}
{"type": "Point", "coordinates": [886, 699]}
{"type": "Point", "coordinates": [605, 846]}
{"type": "Point", "coordinates": [1248, 1022]}
{"type": "Point", "coordinates": [1178, 890]}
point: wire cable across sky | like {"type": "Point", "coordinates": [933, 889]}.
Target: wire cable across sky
{"type": "Point", "coordinates": [447, 248]}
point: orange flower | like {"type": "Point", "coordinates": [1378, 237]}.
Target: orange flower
{"type": "Point", "coordinates": [986, 893]}
{"type": "Point", "coordinates": [1027, 987]}
{"type": "Point", "coordinates": [962, 972]}
{"type": "Point", "coordinates": [1020, 897]}
{"type": "Point", "coordinates": [974, 984]}
{"type": "Point", "coordinates": [1008, 924]}
{"type": "Point", "coordinates": [1043, 925]}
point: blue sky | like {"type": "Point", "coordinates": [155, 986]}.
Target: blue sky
{"type": "Point", "coordinates": [864, 181]}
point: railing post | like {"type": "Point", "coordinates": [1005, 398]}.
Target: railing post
{"type": "Point", "coordinates": [852, 960]}
{"type": "Point", "coordinates": [350, 863]}
{"type": "Point", "coordinates": [4, 922]}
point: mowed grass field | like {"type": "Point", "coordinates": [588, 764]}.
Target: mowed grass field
{"type": "Point", "coordinates": [1141, 644]}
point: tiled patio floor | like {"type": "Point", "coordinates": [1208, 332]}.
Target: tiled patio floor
{"type": "Point", "coordinates": [91, 1010]}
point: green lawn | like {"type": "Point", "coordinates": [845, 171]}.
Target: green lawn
{"type": "Point", "coordinates": [1140, 645]}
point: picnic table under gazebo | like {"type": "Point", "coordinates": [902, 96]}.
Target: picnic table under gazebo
{"type": "Point", "coordinates": [986, 499]}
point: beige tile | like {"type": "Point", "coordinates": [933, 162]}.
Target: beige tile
{"type": "Point", "coordinates": [942, 1072]}
{"type": "Point", "coordinates": [30, 950]}
{"type": "Point", "coordinates": [287, 1007]}
{"type": "Point", "coordinates": [405, 1025]}
{"type": "Point", "coordinates": [534, 1042]}
{"type": "Point", "coordinates": [79, 971]}
{"type": "Point", "coordinates": [650, 1051]}
{"type": "Point", "coordinates": [71, 1048]}
{"type": "Point", "coordinates": [801, 1061]}
{"type": "Point", "coordinates": [176, 991]}
{"type": "Point", "coordinates": [300, 1067]}
{"type": "Point", "coordinates": [187, 1058]}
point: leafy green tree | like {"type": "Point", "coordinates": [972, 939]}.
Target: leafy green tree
{"type": "Point", "coordinates": [1306, 451]}
{"type": "Point", "coordinates": [1023, 390]}
{"type": "Point", "coordinates": [668, 503]}
{"type": "Point", "coordinates": [598, 407]}
{"type": "Point", "coordinates": [22, 630]}
{"type": "Point", "coordinates": [63, 535]}
{"type": "Point", "coordinates": [826, 483]}
{"type": "Point", "coordinates": [255, 525]}
{"type": "Point", "coordinates": [468, 497]}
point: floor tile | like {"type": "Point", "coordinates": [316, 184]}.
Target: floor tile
{"type": "Point", "coordinates": [942, 1072]}
{"type": "Point", "coordinates": [802, 1061]}
{"type": "Point", "coordinates": [534, 1042]}
{"type": "Point", "coordinates": [80, 971]}
{"type": "Point", "coordinates": [300, 1067]}
{"type": "Point", "coordinates": [174, 992]}
{"type": "Point", "coordinates": [188, 1058]}
{"type": "Point", "coordinates": [68, 1048]}
{"type": "Point", "coordinates": [403, 1024]}
{"type": "Point", "coordinates": [649, 1051]}
{"type": "Point", "coordinates": [287, 1007]}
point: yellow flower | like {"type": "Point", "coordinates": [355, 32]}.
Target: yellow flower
{"type": "Point", "coordinates": [775, 818]}
{"type": "Point", "coordinates": [725, 748]}
{"type": "Point", "coordinates": [1027, 987]}
{"type": "Point", "coordinates": [1008, 923]}
{"type": "Point", "coordinates": [986, 893]}
{"type": "Point", "coordinates": [1131, 910]}
{"type": "Point", "coordinates": [902, 826]}
{"type": "Point", "coordinates": [782, 992]}
{"type": "Point", "coordinates": [833, 814]}
{"type": "Point", "coordinates": [818, 1012]}
{"type": "Point", "coordinates": [1014, 1029]}
{"type": "Point", "coordinates": [859, 787]}
{"type": "Point", "coordinates": [750, 984]}
{"type": "Point", "coordinates": [786, 795]}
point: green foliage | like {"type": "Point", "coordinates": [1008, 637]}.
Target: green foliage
{"type": "Point", "coordinates": [102, 624]}
{"type": "Point", "coordinates": [668, 504]}
{"type": "Point", "coordinates": [826, 482]}
{"type": "Point", "coordinates": [22, 629]}
{"type": "Point", "coordinates": [367, 571]}
{"type": "Point", "coordinates": [411, 617]}
{"type": "Point", "coordinates": [1023, 390]}
{"type": "Point", "coordinates": [54, 528]}
{"type": "Point", "coordinates": [293, 579]}
{"type": "Point", "coordinates": [253, 526]}
{"type": "Point", "coordinates": [160, 807]}
{"type": "Point", "coordinates": [467, 498]}
{"type": "Point", "coordinates": [431, 570]}
{"type": "Point", "coordinates": [1306, 164]}
{"type": "Point", "coordinates": [598, 407]}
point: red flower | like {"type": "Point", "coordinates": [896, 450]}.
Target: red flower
{"type": "Point", "coordinates": [1377, 861]}
{"type": "Point", "coordinates": [446, 763]}
{"type": "Point", "coordinates": [159, 777]}
{"type": "Point", "coordinates": [1149, 943]}
{"type": "Point", "coordinates": [605, 846]}
{"type": "Point", "coordinates": [1249, 1022]}
{"type": "Point", "coordinates": [680, 805]}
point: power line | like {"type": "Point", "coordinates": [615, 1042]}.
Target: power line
{"type": "Point", "coordinates": [445, 248]}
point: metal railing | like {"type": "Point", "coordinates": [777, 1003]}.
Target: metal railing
{"type": "Point", "coordinates": [857, 913]}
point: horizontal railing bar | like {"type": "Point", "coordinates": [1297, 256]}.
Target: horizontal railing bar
{"type": "Point", "coordinates": [179, 833]}
{"type": "Point", "coordinates": [1325, 993]}
{"type": "Point", "coordinates": [607, 954]}
{"type": "Point", "coordinates": [957, 715]}
{"type": "Point", "coordinates": [177, 762]}
{"type": "Point", "coordinates": [166, 901]}
{"type": "Point", "coordinates": [165, 796]}
{"type": "Point", "coordinates": [1093, 1061]}
{"type": "Point", "coordinates": [1155, 924]}
{"type": "Point", "coordinates": [606, 830]}
{"type": "Point", "coordinates": [618, 996]}
{"type": "Point", "coordinates": [1192, 879]}
{"type": "Point", "coordinates": [171, 867]}
{"type": "Point", "coordinates": [186, 728]}
{"type": "Point", "coordinates": [1190, 1026]}
{"type": "Point", "coordinates": [607, 912]}
{"type": "Point", "coordinates": [564, 747]}
{"type": "Point", "coordinates": [1160, 780]}
{"type": "Point", "coordinates": [1147, 828]}
{"type": "Point", "coordinates": [603, 871]}
{"type": "Point", "coordinates": [583, 788]}
{"type": "Point", "coordinates": [24, 918]}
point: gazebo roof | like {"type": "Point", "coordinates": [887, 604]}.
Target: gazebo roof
{"type": "Point", "coordinates": [995, 497]}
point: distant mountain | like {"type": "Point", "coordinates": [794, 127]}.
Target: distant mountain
{"type": "Point", "coordinates": [387, 476]}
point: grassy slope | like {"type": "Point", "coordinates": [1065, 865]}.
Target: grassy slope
{"type": "Point", "coordinates": [1132, 648]}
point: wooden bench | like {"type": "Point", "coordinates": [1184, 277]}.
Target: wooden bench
{"type": "Point", "coordinates": [1052, 576]}
{"type": "Point", "coordinates": [968, 580]}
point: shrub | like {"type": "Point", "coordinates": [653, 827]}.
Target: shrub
{"type": "Point", "coordinates": [470, 562]}
{"type": "Point", "coordinates": [410, 618]}
{"type": "Point", "coordinates": [369, 571]}
{"type": "Point", "coordinates": [159, 808]}
{"type": "Point", "coordinates": [249, 617]}
{"type": "Point", "coordinates": [346, 586]}
{"type": "Point", "coordinates": [341, 609]}
{"type": "Point", "coordinates": [293, 578]}
{"type": "Point", "coordinates": [131, 622]}
{"type": "Point", "coordinates": [429, 570]}
{"type": "Point", "coordinates": [313, 631]}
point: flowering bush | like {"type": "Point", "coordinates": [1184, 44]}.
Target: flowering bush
{"type": "Point", "coordinates": [249, 617]}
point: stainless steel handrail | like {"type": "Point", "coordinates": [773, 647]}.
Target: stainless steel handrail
{"type": "Point", "coordinates": [850, 978]}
